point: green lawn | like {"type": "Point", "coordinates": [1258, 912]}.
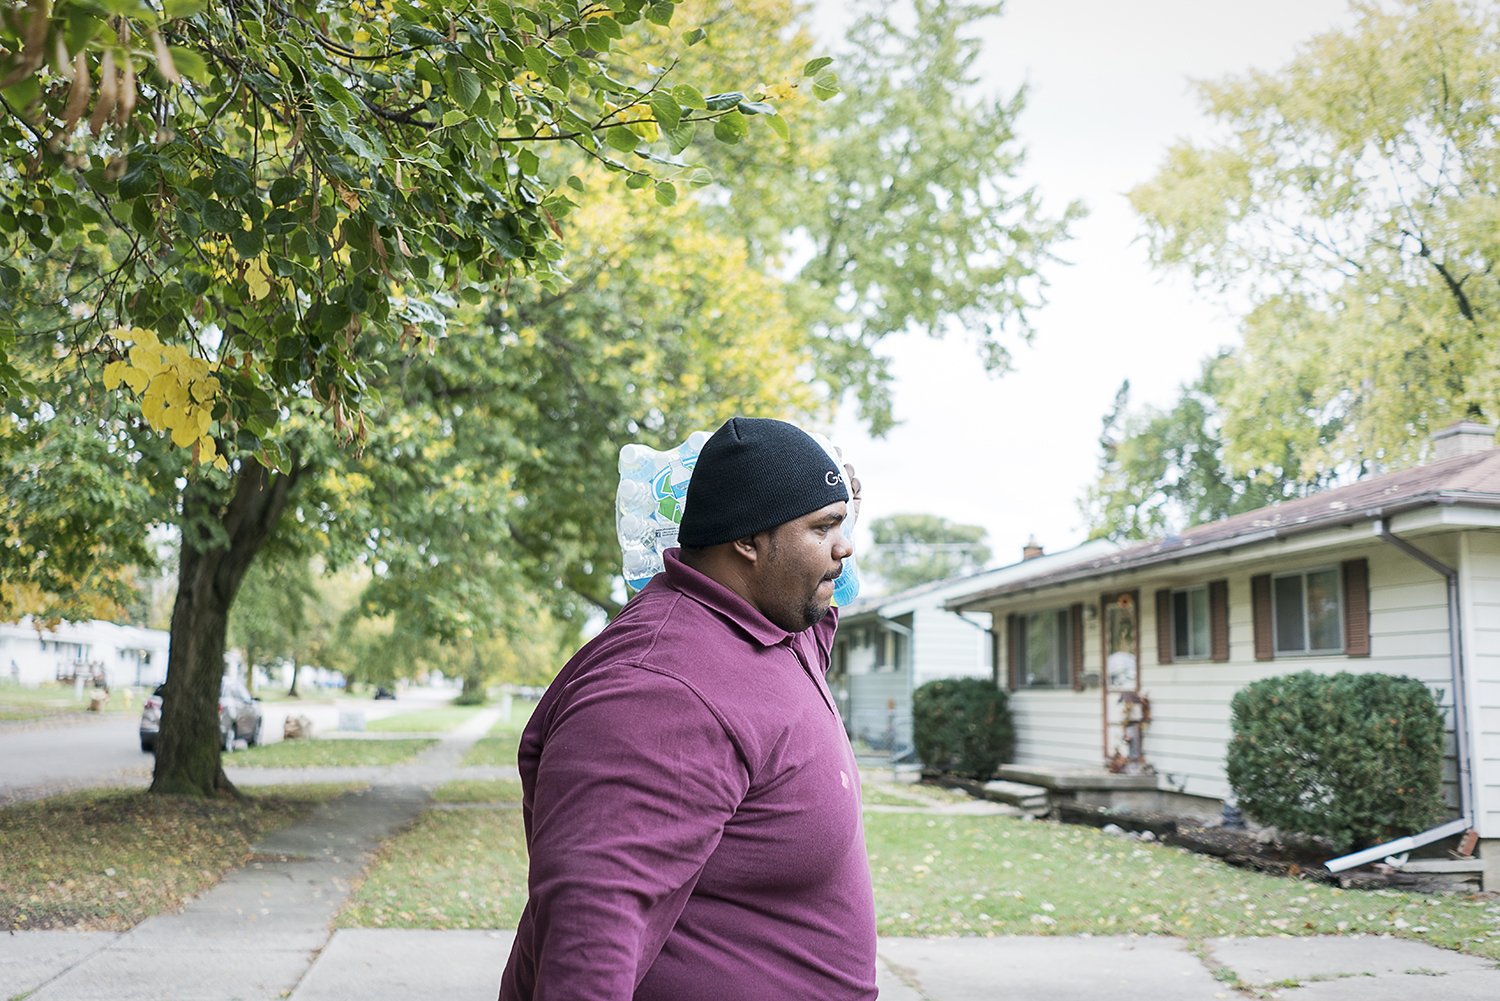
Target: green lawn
{"type": "Point", "coordinates": [328, 753]}
{"type": "Point", "coordinates": [111, 858]}
{"type": "Point", "coordinates": [520, 714]}
{"type": "Point", "coordinates": [439, 720]}
{"type": "Point", "coordinates": [954, 875]}
{"type": "Point", "coordinates": [938, 875]}
{"type": "Point", "coordinates": [494, 750]}
{"type": "Point", "coordinates": [479, 791]}
{"type": "Point", "coordinates": [451, 869]}
{"type": "Point", "coordinates": [18, 703]}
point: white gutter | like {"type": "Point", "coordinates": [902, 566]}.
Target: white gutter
{"type": "Point", "coordinates": [1398, 846]}
{"type": "Point", "coordinates": [1460, 719]}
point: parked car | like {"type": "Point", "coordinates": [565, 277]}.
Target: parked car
{"type": "Point", "coordinates": [239, 716]}
{"type": "Point", "coordinates": [384, 693]}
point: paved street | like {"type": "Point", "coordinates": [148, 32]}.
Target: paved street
{"type": "Point", "coordinates": [88, 751]}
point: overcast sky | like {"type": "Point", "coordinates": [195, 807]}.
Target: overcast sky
{"type": "Point", "coordinates": [1108, 91]}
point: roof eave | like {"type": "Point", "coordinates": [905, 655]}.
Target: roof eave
{"type": "Point", "coordinates": [1344, 519]}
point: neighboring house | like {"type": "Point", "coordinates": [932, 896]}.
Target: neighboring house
{"type": "Point", "coordinates": [889, 645]}
{"type": "Point", "coordinates": [1131, 659]}
{"type": "Point", "coordinates": [125, 655]}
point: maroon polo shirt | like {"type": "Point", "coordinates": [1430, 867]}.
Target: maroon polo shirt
{"type": "Point", "coordinates": [692, 814]}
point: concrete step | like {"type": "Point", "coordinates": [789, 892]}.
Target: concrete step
{"type": "Point", "coordinates": [1442, 865]}
{"type": "Point", "coordinates": [1027, 797]}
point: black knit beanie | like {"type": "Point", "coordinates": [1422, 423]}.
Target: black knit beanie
{"type": "Point", "coordinates": [755, 474]}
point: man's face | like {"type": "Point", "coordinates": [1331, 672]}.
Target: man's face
{"type": "Point", "coordinates": [793, 580]}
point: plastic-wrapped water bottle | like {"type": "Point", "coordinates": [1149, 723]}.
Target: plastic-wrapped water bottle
{"type": "Point", "coordinates": [846, 588]}
{"type": "Point", "coordinates": [650, 500]}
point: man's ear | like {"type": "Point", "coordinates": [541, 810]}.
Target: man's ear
{"type": "Point", "coordinates": [747, 549]}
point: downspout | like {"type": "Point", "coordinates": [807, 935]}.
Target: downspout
{"type": "Point", "coordinates": [1460, 718]}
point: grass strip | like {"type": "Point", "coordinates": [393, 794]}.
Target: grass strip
{"type": "Point", "coordinates": [992, 875]}
{"type": "Point", "coordinates": [328, 753]}
{"type": "Point", "coordinates": [520, 715]}
{"type": "Point", "coordinates": [20, 703]}
{"type": "Point", "coordinates": [107, 859]}
{"type": "Point", "coordinates": [437, 720]}
{"type": "Point", "coordinates": [464, 869]}
{"type": "Point", "coordinates": [479, 791]}
{"type": "Point", "coordinates": [494, 750]}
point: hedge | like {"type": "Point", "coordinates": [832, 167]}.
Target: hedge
{"type": "Point", "coordinates": [1355, 759]}
{"type": "Point", "coordinates": [962, 726]}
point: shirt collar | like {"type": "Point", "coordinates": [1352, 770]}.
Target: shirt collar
{"type": "Point", "coordinates": [716, 597]}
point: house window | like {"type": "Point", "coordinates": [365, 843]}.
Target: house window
{"type": "Point", "coordinates": [1043, 650]}
{"type": "Point", "coordinates": [1190, 631]}
{"type": "Point", "coordinates": [1307, 612]}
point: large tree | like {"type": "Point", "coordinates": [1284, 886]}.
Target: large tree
{"type": "Point", "coordinates": [1348, 198]}
{"type": "Point", "coordinates": [253, 206]}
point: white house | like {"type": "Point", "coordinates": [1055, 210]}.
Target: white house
{"type": "Point", "coordinates": [1130, 660]}
{"type": "Point", "coordinates": [125, 655]}
{"type": "Point", "coordinates": [890, 645]}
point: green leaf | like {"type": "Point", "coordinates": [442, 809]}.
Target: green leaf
{"type": "Point", "coordinates": [814, 66]}
{"type": "Point", "coordinates": [465, 86]}
{"type": "Point", "coordinates": [779, 126]}
{"type": "Point", "coordinates": [575, 183]}
{"type": "Point", "coordinates": [528, 162]}
{"type": "Point", "coordinates": [701, 178]}
{"type": "Point", "coordinates": [681, 137]}
{"type": "Point", "coordinates": [190, 64]}
{"type": "Point", "coordinates": [666, 193]}
{"type": "Point", "coordinates": [756, 108]}
{"type": "Point", "coordinates": [825, 85]}
{"type": "Point", "coordinates": [9, 276]}
{"type": "Point", "coordinates": [621, 138]}
{"type": "Point", "coordinates": [725, 101]}
{"type": "Point", "coordinates": [453, 117]}
{"type": "Point", "coordinates": [221, 218]}
{"type": "Point", "coordinates": [731, 128]}
{"type": "Point", "coordinates": [666, 111]}
{"type": "Point", "coordinates": [661, 13]}
{"type": "Point", "coordinates": [636, 182]}
{"type": "Point", "coordinates": [689, 97]}
{"type": "Point", "coordinates": [247, 242]}
{"type": "Point", "coordinates": [285, 189]}
{"type": "Point", "coordinates": [695, 36]}
{"type": "Point", "coordinates": [181, 8]}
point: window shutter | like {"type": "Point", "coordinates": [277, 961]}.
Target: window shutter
{"type": "Point", "coordinates": [1218, 620]}
{"type": "Point", "coordinates": [1075, 636]}
{"type": "Point", "coordinates": [1164, 626]}
{"type": "Point", "coordinates": [1013, 652]}
{"type": "Point", "coordinates": [1260, 616]}
{"type": "Point", "coordinates": [1357, 608]}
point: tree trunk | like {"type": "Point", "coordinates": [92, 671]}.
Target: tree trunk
{"type": "Point", "coordinates": [219, 540]}
{"type": "Point", "coordinates": [292, 692]}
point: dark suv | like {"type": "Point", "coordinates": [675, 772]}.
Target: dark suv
{"type": "Point", "coordinates": [239, 716]}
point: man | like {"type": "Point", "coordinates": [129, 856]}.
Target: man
{"type": "Point", "coordinates": [691, 801]}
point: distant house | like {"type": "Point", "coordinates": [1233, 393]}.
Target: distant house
{"type": "Point", "coordinates": [123, 655]}
{"type": "Point", "coordinates": [1130, 659]}
{"type": "Point", "coordinates": [889, 645]}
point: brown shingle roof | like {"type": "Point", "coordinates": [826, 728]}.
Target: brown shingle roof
{"type": "Point", "coordinates": [1467, 479]}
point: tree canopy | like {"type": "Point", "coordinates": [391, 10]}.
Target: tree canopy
{"type": "Point", "coordinates": [912, 549]}
{"type": "Point", "coordinates": [1349, 197]}
{"type": "Point", "coordinates": [1346, 203]}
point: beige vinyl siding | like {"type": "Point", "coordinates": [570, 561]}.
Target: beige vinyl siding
{"type": "Point", "coordinates": [948, 647]}
{"type": "Point", "coordinates": [1479, 583]}
{"type": "Point", "coordinates": [1190, 730]}
{"type": "Point", "coordinates": [1058, 726]}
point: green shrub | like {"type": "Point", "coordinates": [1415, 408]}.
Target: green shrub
{"type": "Point", "coordinates": [1355, 759]}
{"type": "Point", "coordinates": [962, 726]}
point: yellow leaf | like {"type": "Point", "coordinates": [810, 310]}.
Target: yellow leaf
{"type": "Point", "coordinates": [207, 449]}
{"type": "Point", "coordinates": [182, 436]}
{"type": "Point", "coordinates": [114, 373]}
{"type": "Point", "coordinates": [140, 337]}
{"type": "Point", "coordinates": [221, 465]}
{"type": "Point", "coordinates": [361, 35]}
{"type": "Point", "coordinates": [258, 284]}
{"type": "Point", "coordinates": [204, 389]}
{"type": "Point", "coordinates": [136, 379]}
{"type": "Point", "coordinates": [205, 420]}
{"type": "Point", "coordinates": [146, 358]}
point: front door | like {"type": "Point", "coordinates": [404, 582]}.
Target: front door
{"type": "Point", "coordinates": [1122, 677]}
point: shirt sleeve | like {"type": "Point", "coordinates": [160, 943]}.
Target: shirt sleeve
{"type": "Point", "coordinates": [636, 781]}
